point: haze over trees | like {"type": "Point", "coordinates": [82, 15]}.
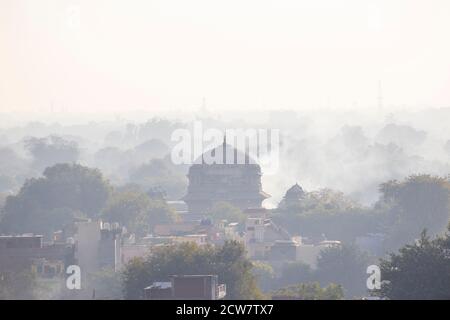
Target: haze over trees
{"type": "Point", "coordinates": [160, 173]}
{"type": "Point", "coordinates": [362, 177]}
{"type": "Point", "coordinates": [418, 202]}
{"type": "Point", "coordinates": [329, 213]}
{"type": "Point", "coordinates": [101, 100]}
{"type": "Point", "coordinates": [14, 169]}
{"type": "Point", "coordinates": [64, 192]}
{"type": "Point", "coordinates": [404, 209]}
{"type": "Point", "coordinates": [51, 150]}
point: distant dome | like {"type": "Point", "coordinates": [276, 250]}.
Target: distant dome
{"type": "Point", "coordinates": [295, 192]}
{"type": "Point", "coordinates": [293, 197]}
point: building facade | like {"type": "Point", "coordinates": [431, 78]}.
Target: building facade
{"type": "Point", "coordinates": [224, 174]}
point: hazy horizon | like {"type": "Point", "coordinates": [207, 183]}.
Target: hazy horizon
{"type": "Point", "coordinates": [164, 56]}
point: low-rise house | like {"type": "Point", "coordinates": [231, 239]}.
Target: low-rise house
{"type": "Point", "coordinates": [260, 235]}
{"type": "Point", "coordinates": [22, 251]}
{"type": "Point", "coordinates": [187, 287]}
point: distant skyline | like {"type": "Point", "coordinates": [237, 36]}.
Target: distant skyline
{"type": "Point", "coordinates": [162, 55]}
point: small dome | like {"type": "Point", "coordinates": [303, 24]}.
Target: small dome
{"type": "Point", "coordinates": [295, 191]}
{"type": "Point", "coordinates": [293, 197]}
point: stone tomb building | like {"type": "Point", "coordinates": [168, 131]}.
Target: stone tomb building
{"type": "Point", "coordinates": [233, 177]}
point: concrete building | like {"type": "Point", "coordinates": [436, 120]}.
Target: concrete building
{"type": "Point", "coordinates": [216, 233]}
{"type": "Point", "coordinates": [24, 251]}
{"type": "Point", "coordinates": [98, 245]}
{"type": "Point", "coordinates": [110, 246]}
{"type": "Point", "coordinates": [187, 287]}
{"type": "Point", "coordinates": [231, 232]}
{"type": "Point", "coordinates": [308, 253]}
{"type": "Point", "coordinates": [169, 229]}
{"type": "Point", "coordinates": [159, 290]}
{"type": "Point", "coordinates": [87, 240]}
{"type": "Point", "coordinates": [131, 251]}
{"type": "Point", "coordinates": [283, 250]}
{"type": "Point", "coordinates": [260, 235]}
{"type": "Point", "coordinates": [198, 239]}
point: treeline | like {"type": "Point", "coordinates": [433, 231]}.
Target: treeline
{"type": "Point", "coordinates": [135, 154]}
{"type": "Point", "coordinates": [67, 192]}
{"type": "Point", "coordinates": [403, 210]}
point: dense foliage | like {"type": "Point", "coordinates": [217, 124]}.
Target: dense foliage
{"type": "Point", "coordinates": [418, 202]}
{"type": "Point", "coordinates": [227, 261]}
{"type": "Point", "coordinates": [64, 192]}
{"type": "Point", "coordinates": [137, 211]}
{"type": "Point", "coordinates": [17, 285]}
{"type": "Point", "coordinates": [310, 291]}
{"type": "Point", "coordinates": [418, 271]}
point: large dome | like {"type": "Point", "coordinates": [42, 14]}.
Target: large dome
{"type": "Point", "coordinates": [224, 174]}
{"type": "Point", "coordinates": [224, 154]}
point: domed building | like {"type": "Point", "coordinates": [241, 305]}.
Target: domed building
{"type": "Point", "coordinates": [293, 197]}
{"type": "Point", "coordinates": [224, 174]}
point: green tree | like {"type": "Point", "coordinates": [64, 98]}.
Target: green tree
{"type": "Point", "coordinates": [228, 262]}
{"type": "Point", "coordinates": [420, 202]}
{"type": "Point", "coordinates": [344, 225]}
{"type": "Point", "coordinates": [63, 188]}
{"type": "Point", "coordinates": [330, 213]}
{"type": "Point", "coordinates": [345, 265]}
{"type": "Point", "coordinates": [295, 272]}
{"type": "Point", "coordinates": [264, 274]}
{"type": "Point", "coordinates": [17, 284]}
{"type": "Point", "coordinates": [137, 211]}
{"type": "Point", "coordinates": [310, 291]}
{"type": "Point", "coordinates": [418, 271]}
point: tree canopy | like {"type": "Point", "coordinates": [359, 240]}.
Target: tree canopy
{"type": "Point", "coordinates": [310, 291]}
{"type": "Point", "coordinates": [345, 265]}
{"type": "Point", "coordinates": [418, 202]}
{"type": "Point", "coordinates": [64, 190]}
{"type": "Point", "coordinates": [137, 211]}
{"type": "Point", "coordinates": [17, 285]}
{"type": "Point", "coordinates": [418, 271]}
{"type": "Point", "coordinates": [228, 262]}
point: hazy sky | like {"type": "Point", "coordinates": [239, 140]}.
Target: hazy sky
{"type": "Point", "coordinates": [115, 55]}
